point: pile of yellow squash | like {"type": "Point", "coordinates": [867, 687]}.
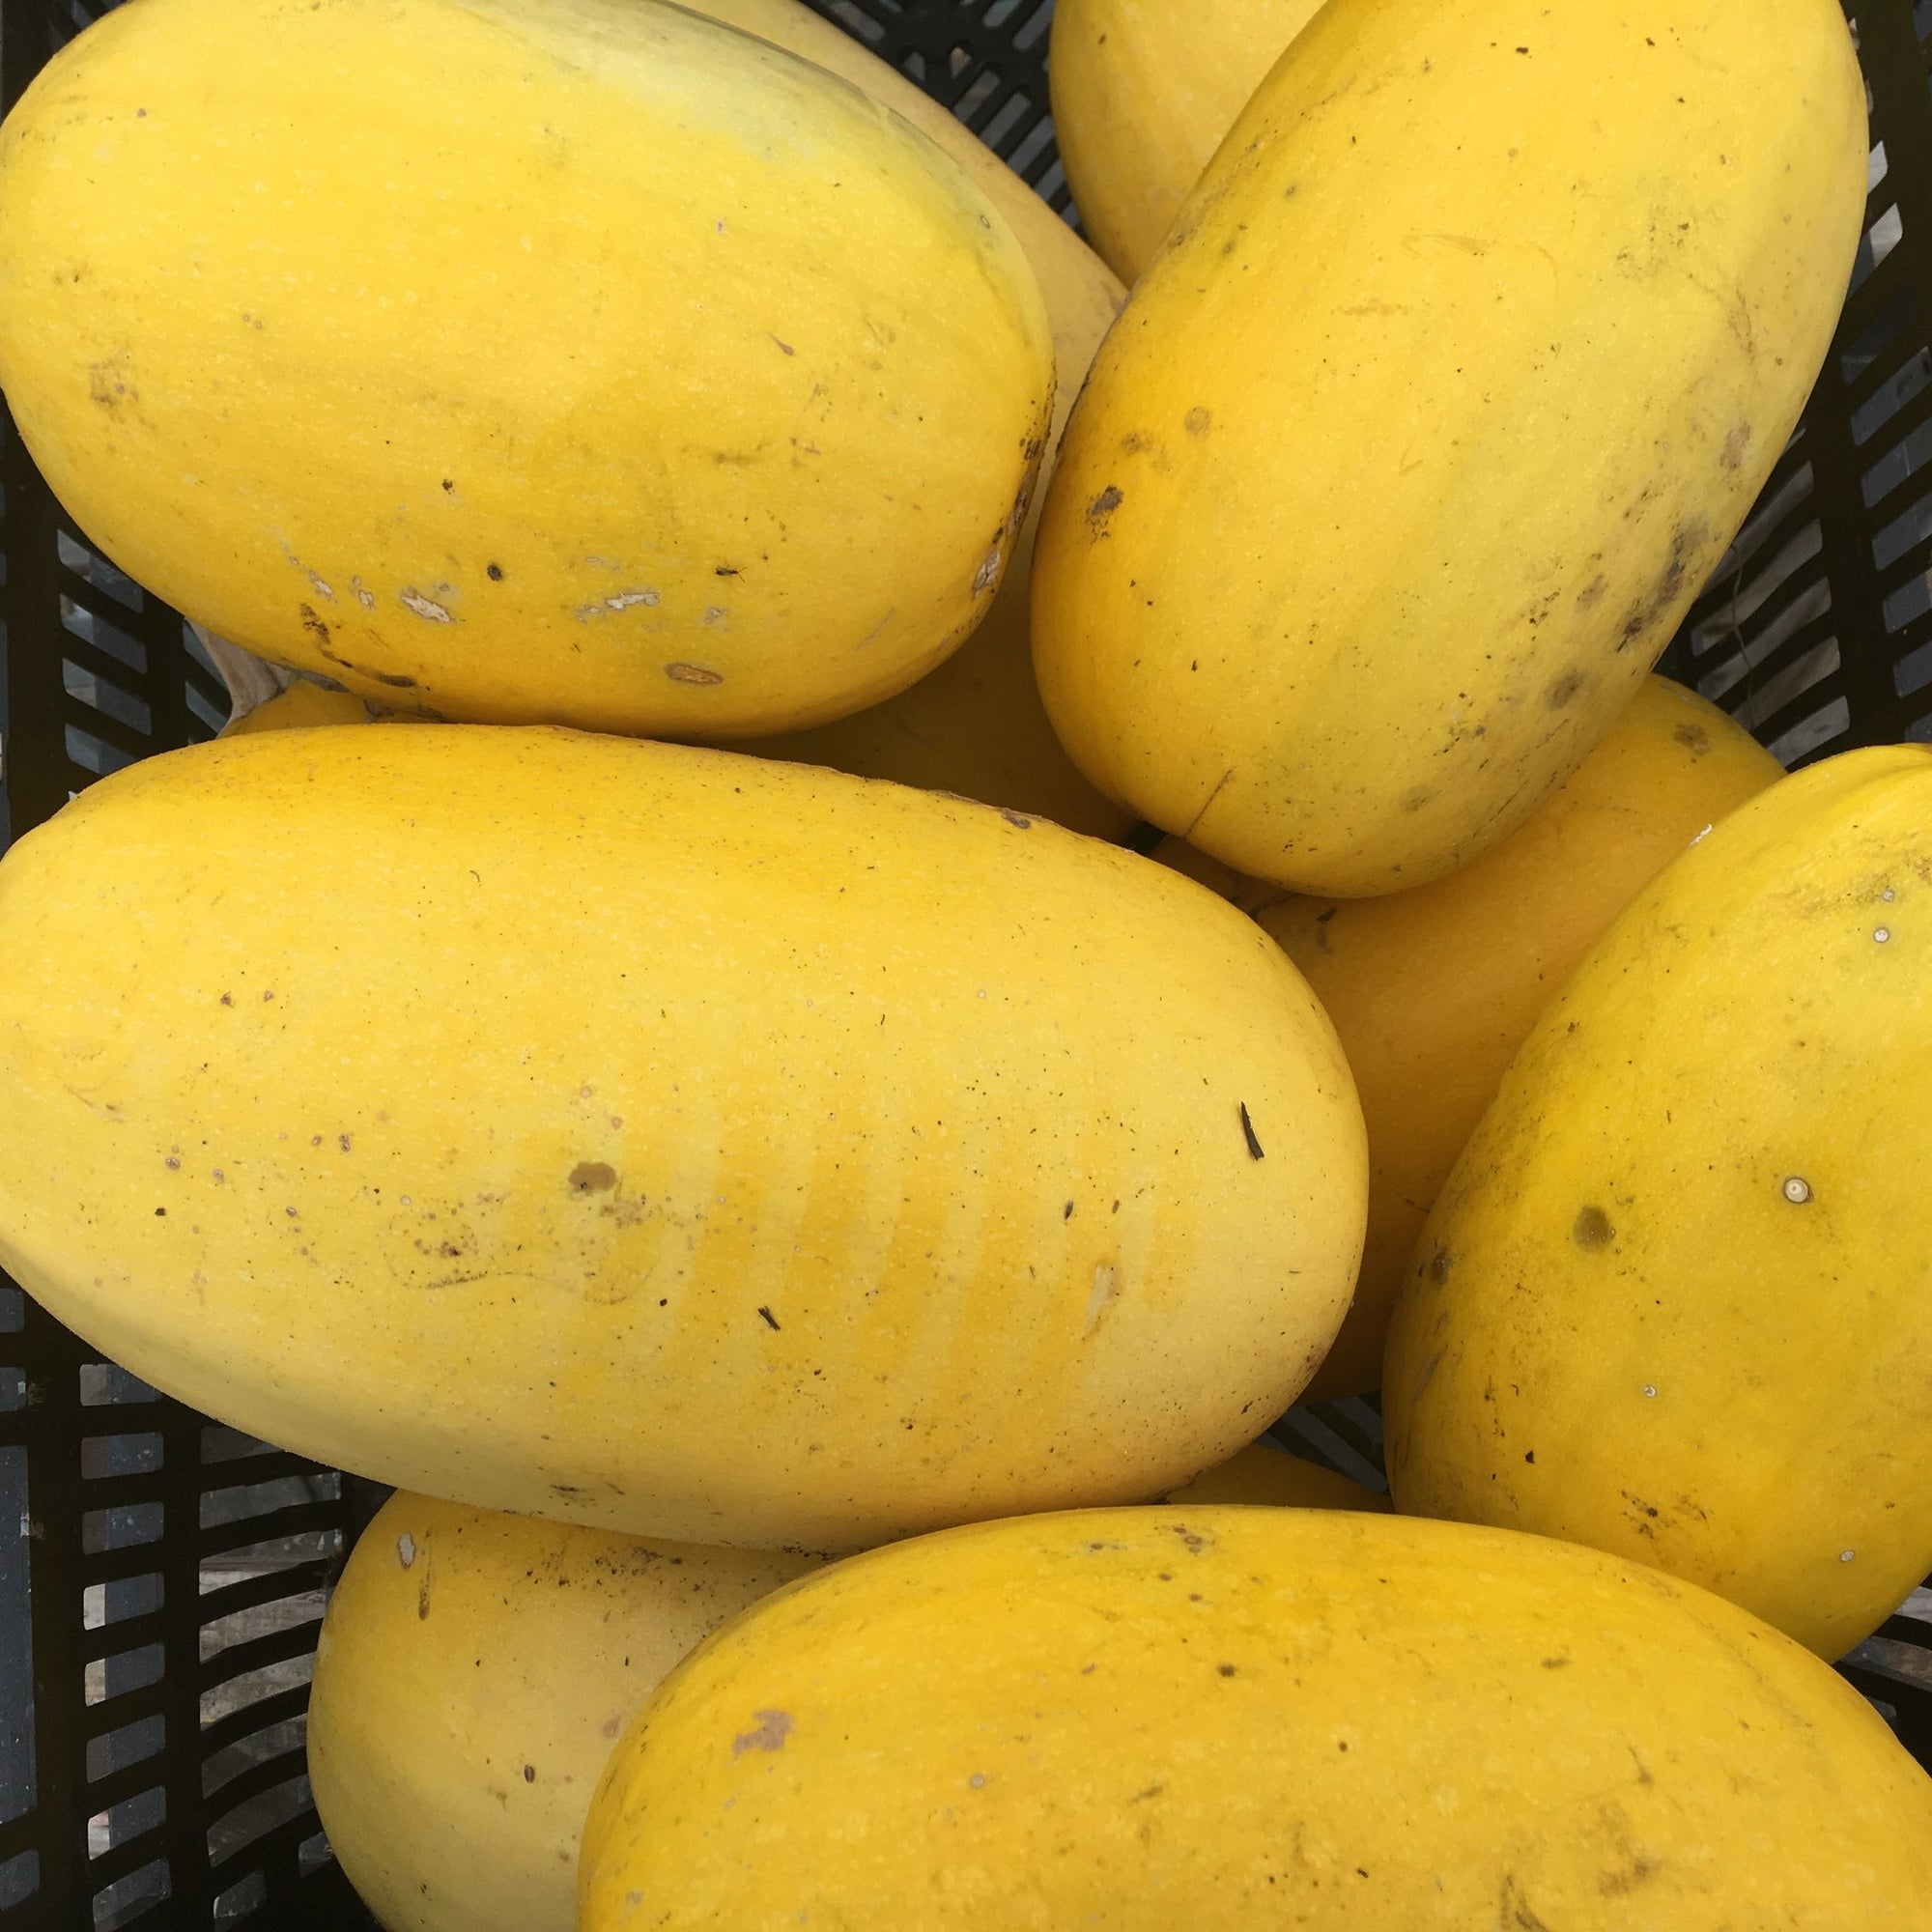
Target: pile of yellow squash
{"type": "Point", "coordinates": [870, 894]}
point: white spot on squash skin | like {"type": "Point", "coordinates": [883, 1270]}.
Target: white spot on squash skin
{"type": "Point", "coordinates": [426, 608]}
{"type": "Point", "coordinates": [587, 613]}
{"type": "Point", "coordinates": [1104, 1278]}
{"type": "Point", "coordinates": [365, 597]}
{"type": "Point", "coordinates": [1796, 1190]}
{"type": "Point", "coordinates": [406, 1549]}
{"type": "Point", "coordinates": [1882, 934]}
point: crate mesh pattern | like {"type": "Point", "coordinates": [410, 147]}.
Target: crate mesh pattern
{"type": "Point", "coordinates": [160, 1598]}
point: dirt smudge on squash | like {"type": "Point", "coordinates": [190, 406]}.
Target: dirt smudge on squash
{"type": "Point", "coordinates": [107, 386]}
{"type": "Point", "coordinates": [318, 632]}
{"type": "Point", "coordinates": [1100, 509]}
{"type": "Point", "coordinates": [1592, 1229]}
{"type": "Point", "coordinates": [1685, 543]}
{"type": "Point", "coordinates": [592, 1177]}
{"type": "Point", "coordinates": [1514, 1913]}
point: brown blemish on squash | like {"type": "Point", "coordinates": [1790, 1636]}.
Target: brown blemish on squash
{"type": "Point", "coordinates": [1685, 541]}
{"type": "Point", "coordinates": [1735, 445]}
{"type": "Point", "coordinates": [1416, 796]}
{"type": "Point", "coordinates": [1592, 593]}
{"type": "Point", "coordinates": [592, 1177]}
{"type": "Point", "coordinates": [1563, 690]}
{"type": "Point", "coordinates": [1693, 738]}
{"type": "Point", "coordinates": [318, 631]}
{"type": "Point", "coordinates": [1198, 422]}
{"type": "Point", "coordinates": [1613, 1885]}
{"type": "Point", "coordinates": [105, 387]}
{"type": "Point", "coordinates": [773, 1728]}
{"type": "Point", "coordinates": [1100, 509]}
{"type": "Point", "coordinates": [691, 673]}
{"type": "Point", "coordinates": [1592, 1230]}
{"type": "Point", "coordinates": [1516, 1915]}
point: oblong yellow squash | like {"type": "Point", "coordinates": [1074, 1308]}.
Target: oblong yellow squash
{"type": "Point", "coordinates": [587, 362]}
{"type": "Point", "coordinates": [1231, 1719]}
{"type": "Point", "coordinates": [473, 1671]}
{"type": "Point", "coordinates": [1470, 351]}
{"type": "Point", "coordinates": [1142, 92]}
{"type": "Point", "coordinates": [1433, 990]}
{"type": "Point", "coordinates": [662, 1138]}
{"type": "Point", "coordinates": [1672, 1302]}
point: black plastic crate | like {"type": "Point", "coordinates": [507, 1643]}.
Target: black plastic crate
{"type": "Point", "coordinates": [161, 1597]}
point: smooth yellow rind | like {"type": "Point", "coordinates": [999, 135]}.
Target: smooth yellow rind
{"type": "Point", "coordinates": [583, 362]}
{"type": "Point", "coordinates": [1470, 353]}
{"type": "Point", "coordinates": [1673, 1299]}
{"type": "Point", "coordinates": [1265, 1475]}
{"type": "Point", "coordinates": [1225, 1719]}
{"type": "Point", "coordinates": [662, 1138]}
{"type": "Point", "coordinates": [303, 705]}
